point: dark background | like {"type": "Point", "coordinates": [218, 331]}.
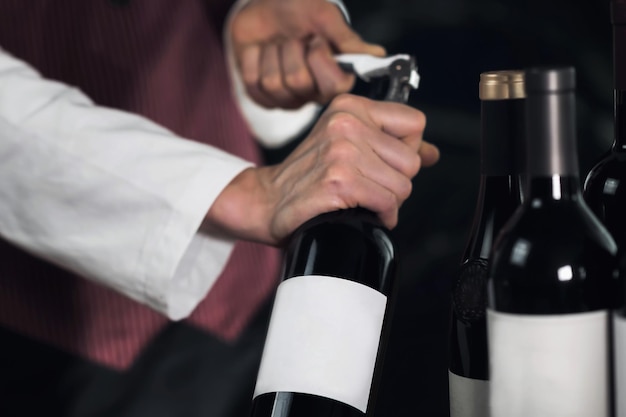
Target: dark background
{"type": "Point", "coordinates": [453, 42]}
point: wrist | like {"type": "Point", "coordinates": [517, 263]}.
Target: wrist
{"type": "Point", "coordinates": [242, 210]}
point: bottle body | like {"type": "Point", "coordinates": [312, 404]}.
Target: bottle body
{"type": "Point", "coordinates": [323, 344]}
{"type": "Point", "coordinates": [605, 185]}
{"type": "Point", "coordinates": [605, 193]}
{"type": "Point", "coordinates": [501, 93]}
{"type": "Point", "coordinates": [552, 278]}
{"type": "Point", "coordinates": [468, 369]}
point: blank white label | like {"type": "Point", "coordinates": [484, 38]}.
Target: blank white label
{"type": "Point", "coordinates": [548, 365]}
{"type": "Point", "coordinates": [323, 339]}
{"type": "Point", "coordinates": [619, 329]}
{"type": "Point", "coordinates": [468, 397]}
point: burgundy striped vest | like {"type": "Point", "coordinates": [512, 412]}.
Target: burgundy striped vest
{"type": "Point", "coordinates": [163, 59]}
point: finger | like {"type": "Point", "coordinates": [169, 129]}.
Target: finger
{"type": "Point", "coordinates": [429, 154]}
{"type": "Point", "coordinates": [361, 191]}
{"type": "Point", "coordinates": [296, 73]}
{"type": "Point", "coordinates": [252, 24]}
{"type": "Point", "coordinates": [393, 154]}
{"type": "Point", "coordinates": [331, 24]}
{"type": "Point", "coordinates": [249, 62]}
{"type": "Point", "coordinates": [395, 119]}
{"type": "Point", "coordinates": [308, 205]}
{"type": "Point", "coordinates": [341, 188]}
{"type": "Point", "coordinates": [388, 176]}
{"type": "Point", "coordinates": [330, 79]}
{"type": "Point", "coordinates": [272, 77]}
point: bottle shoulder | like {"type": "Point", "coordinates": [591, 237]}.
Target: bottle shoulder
{"type": "Point", "coordinates": [557, 258]}
{"type": "Point", "coordinates": [344, 230]}
{"type": "Point", "coordinates": [606, 181]}
{"type": "Point", "coordinates": [349, 244]}
{"type": "Point", "coordinates": [356, 221]}
{"type": "Point", "coordinates": [612, 164]}
{"type": "Point", "coordinates": [493, 209]}
{"type": "Point", "coordinates": [557, 226]}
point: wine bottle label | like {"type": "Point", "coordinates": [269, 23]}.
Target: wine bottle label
{"type": "Point", "coordinates": [323, 339]}
{"type": "Point", "coordinates": [548, 365]}
{"type": "Point", "coordinates": [619, 329]}
{"type": "Point", "coordinates": [468, 397]}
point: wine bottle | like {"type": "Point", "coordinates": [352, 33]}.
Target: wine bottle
{"type": "Point", "coordinates": [502, 126]}
{"type": "Point", "coordinates": [552, 276]}
{"type": "Point", "coordinates": [605, 189]}
{"type": "Point", "coordinates": [329, 324]}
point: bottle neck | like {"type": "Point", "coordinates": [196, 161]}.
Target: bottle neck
{"type": "Point", "coordinates": [619, 144]}
{"type": "Point", "coordinates": [502, 133]}
{"type": "Point", "coordinates": [499, 190]}
{"type": "Point", "coordinates": [551, 143]}
{"type": "Point", "coordinates": [555, 188]}
{"type": "Point", "coordinates": [498, 198]}
{"type": "Point", "coordinates": [619, 77]}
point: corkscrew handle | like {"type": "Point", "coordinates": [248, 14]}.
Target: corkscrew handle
{"type": "Point", "coordinates": [400, 85]}
{"type": "Point", "coordinates": [400, 72]}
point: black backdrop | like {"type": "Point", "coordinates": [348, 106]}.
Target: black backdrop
{"type": "Point", "coordinates": [453, 42]}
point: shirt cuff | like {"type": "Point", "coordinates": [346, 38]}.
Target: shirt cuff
{"type": "Point", "coordinates": [198, 257]}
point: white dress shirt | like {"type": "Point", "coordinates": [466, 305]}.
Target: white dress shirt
{"type": "Point", "coordinates": [114, 197]}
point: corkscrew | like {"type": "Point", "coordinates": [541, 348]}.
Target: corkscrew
{"type": "Point", "coordinates": [398, 71]}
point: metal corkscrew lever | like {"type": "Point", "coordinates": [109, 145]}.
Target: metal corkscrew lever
{"type": "Point", "coordinates": [400, 71]}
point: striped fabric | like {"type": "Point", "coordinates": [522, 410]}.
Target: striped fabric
{"type": "Point", "coordinates": [162, 59]}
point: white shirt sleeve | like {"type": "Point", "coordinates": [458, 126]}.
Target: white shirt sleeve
{"type": "Point", "coordinates": [107, 194]}
{"type": "Point", "coordinates": [113, 196]}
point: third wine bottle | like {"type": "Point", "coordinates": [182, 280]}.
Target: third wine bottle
{"type": "Point", "coordinates": [502, 127]}
{"type": "Point", "coordinates": [605, 190]}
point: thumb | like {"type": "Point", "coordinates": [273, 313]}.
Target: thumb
{"type": "Point", "coordinates": [332, 25]}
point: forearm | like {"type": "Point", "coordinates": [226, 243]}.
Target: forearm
{"type": "Point", "coordinates": [107, 194]}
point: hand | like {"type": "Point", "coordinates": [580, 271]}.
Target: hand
{"type": "Point", "coordinates": [360, 153]}
{"type": "Point", "coordinates": [284, 50]}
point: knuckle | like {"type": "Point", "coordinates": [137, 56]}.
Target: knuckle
{"type": "Point", "coordinates": [388, 202]}
{"type": "Point", "coordinates": [324, 14]}
{"type": "Point", "coordinates": [271, 83]}
{"type": "Point", "coordinates": [406, 188]}
{"type": "Point", "coordinates": [337, 179]}
{"type": "Point", "coordinates": [298, 80]}
{"type": "Point", "coordinates": [337, 175]}
{"type": "Point", "coordinates": [238, 27]}
{"type": "Point", "coordinates": [249, 78]}
{"type": "Point", "coordinates": [344, 152]}
{"type": "Point", "coordinates": [415, 165]}
{"type": "Point", "coordinates": [342, 124]}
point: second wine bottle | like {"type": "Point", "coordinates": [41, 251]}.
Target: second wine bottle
{"type": "Point", "coordinates": [553, 277]}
